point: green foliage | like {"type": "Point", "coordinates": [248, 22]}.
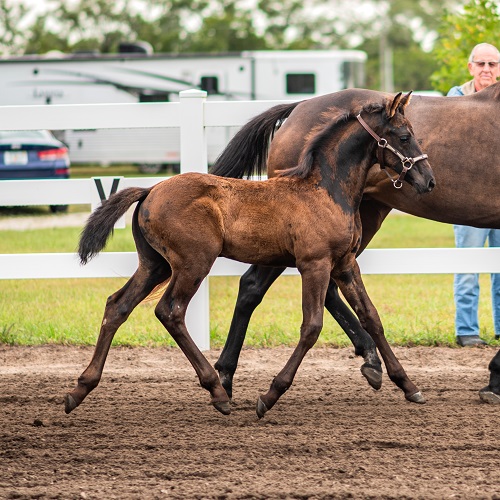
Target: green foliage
{"type": "Point", "coordinates": [458, 34]}
{"type": "Point", "coordinates": [412, 66]}
{"type": "Point", "coordinates": [227, 29]}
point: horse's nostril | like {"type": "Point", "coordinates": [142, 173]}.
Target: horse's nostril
{"type": "Point", "coordinates": [431, 185]}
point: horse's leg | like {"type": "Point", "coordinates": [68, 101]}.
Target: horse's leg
{"type": "Point", "coordinates": [314, 284]}
{"type": "Point", "coordinates": [491, 393]}
{"type": "Point", "coordinates": [117, 310]}
{"type": "Point", "coordinates": [364, 345]}
{"type": "Point", "coordinates": [253, 286]}
{"type": "Point", "coordinates": [171, 311]}
{"type": "Point", "coordinates": [353, 289]}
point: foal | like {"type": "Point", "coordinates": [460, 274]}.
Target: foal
{"type": "Point", "coordinates": [305, 218]}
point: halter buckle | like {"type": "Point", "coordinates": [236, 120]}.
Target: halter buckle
{"type": "Point", "coordinates": [407, 163]}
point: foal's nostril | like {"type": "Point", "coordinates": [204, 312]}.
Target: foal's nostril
{"type": "Point", "coordinates": [431, 185]}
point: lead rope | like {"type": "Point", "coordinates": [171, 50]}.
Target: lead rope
{"type": "Point", "coordinates": [383, 144]}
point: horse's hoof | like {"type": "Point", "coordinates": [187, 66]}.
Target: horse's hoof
{"type": "Point", "coordinates": [261, 408]}
{"type": "Point", "coordinates": [416, 398]}
{"type": "Point", "coordinates": [373, 376]}
{"type": "Point", "coordinates": [223, 406]}
{"type": "Point", "coordinates": [488, 396]}
{"type": "Point", "coordinates": [69, 403]}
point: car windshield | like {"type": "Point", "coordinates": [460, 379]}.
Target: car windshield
{"type": "Point", "coordinates": [22, 134]}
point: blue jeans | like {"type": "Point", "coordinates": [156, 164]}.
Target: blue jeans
{"type": "Point", "coordinates": [466, 286]}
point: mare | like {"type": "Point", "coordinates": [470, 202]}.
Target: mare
{"type": "Point", "coordinates": [306, 217]}
{"type": "Point", "coordinates": [460, 135]}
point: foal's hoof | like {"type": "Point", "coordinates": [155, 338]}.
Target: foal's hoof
{"type": "Point", "coordinates": [373, 376]}
{"type": "Point", "coordinates": [69, 403]}
{"type": "Point", "coordinates": [488, 396]}
{"type": "Point", "coordinates": [416, 398]}
{"type": "Point", "coordinates": [261, 408]}
{"type": "Point", "coordinates": [223, 406]}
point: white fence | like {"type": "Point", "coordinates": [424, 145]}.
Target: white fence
{"type": "Point", "coordinates": [193, 113]}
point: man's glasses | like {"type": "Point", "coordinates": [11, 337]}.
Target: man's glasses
{"type": "Point", "coordinates": [482, 64]}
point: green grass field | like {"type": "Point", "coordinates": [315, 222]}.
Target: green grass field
{"type": "Point", "coordinates": [415, 309]}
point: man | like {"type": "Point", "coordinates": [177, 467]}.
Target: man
{"type": "Point", "coordinates": [483, 65]}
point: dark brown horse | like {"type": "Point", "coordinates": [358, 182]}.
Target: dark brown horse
{"type": "Point", "coordinates": [460, 134]}
{"type": "Point", "coordinates": [306, 217]}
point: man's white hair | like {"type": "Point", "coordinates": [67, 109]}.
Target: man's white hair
{"type": "Point", "coordinates": [483, 45]}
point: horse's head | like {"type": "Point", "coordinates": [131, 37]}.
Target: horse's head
{"type": "Point", "coordinates": [397, 147]}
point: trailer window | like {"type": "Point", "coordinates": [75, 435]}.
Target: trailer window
{"type": "Point", "coordinates": [152, 96]}
{"type": "Point", "coordinates": [210, 84]}
{"type": "Point", "coordinates": [300, 83]}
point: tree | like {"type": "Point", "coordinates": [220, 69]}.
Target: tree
{"type": "Point", "coordinates": [458, 34]}
{"type": "Point", "coordinates": [13, 20]}
{"type": "Point", "coordinates": [226, 28]}
{"type": "Point", "coordinates": [403, 31]}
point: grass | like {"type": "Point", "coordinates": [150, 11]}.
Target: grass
{"type": "Point", "coordinates": [415, 309]}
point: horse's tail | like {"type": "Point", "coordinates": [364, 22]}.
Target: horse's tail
{"type": "Point", "coordinates": [246, 153]}
{"type": "Point", "coordinates": [100, 224]}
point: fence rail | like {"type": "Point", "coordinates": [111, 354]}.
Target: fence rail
{"type": "Point", "coordinates": [192, 114]}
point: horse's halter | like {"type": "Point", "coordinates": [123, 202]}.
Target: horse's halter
{"type": "Point", "coordinates": [383, 144]}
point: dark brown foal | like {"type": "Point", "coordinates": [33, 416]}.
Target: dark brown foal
{"type": "Point", "coordinates": [306, 217]}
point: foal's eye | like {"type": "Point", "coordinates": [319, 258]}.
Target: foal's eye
{"type": "Point", "coordinates": [404, 138]}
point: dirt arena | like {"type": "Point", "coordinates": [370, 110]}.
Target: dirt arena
{"type": "Point", "coordinates": [148, 432]}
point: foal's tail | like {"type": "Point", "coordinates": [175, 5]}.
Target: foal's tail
{"type": "Point", "coordinates": [100, 224]}
{"type": "Point", "coordinates": [246, 153]}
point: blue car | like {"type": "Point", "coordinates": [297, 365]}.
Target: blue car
{"type": "Point", "coordinates": [33, 154]}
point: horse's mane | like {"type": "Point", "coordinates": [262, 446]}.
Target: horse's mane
{"type": "Point", "coordinates": [319, 136]}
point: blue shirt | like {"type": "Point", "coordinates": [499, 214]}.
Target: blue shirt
{"type": "Point", "coordinates": [454, 91]}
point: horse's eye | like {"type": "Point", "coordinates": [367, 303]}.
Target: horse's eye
{"type": "Point", "coordinates": [404, 138]}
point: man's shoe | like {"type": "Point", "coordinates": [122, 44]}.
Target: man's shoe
{"type": "Point", "coordinates": [470, 340]}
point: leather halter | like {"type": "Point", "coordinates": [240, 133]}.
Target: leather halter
{"type": "Point", "coordinates": [383, 144]}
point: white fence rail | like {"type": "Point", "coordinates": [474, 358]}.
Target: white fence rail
{"type": "Point", "coordinates": [193, 113]}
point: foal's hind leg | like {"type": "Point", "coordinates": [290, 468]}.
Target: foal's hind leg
{"type": "Point", "coordinates": [171, 311]}
{"type": "Point", "coordinates": [118, 308]}
{"type": "Point", "coordinates": [314, 284]}
{"type": "Point", "coordinates": [253, 286]}
{"type": "Point", "coordinates": [353, 289]}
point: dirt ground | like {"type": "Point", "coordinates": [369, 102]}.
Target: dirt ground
{"type": "Point", "coordinates": [149, 432]}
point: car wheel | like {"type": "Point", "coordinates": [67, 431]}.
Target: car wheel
{"type": "Point", "coordinates": [58, 209]}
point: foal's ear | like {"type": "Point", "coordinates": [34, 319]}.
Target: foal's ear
{"type": "Point", "coordinates": [391, 110]}
{"type": "Point", "coordinates": [405, 100]}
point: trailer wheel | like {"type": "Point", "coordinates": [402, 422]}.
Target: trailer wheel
{"type": "Point", "coordinates": [58, 209]}
{"type": "Point", "coordinates": [150, 168]}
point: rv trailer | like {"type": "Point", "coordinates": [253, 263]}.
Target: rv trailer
{"type": "Point", "coordinates": [129, 77]}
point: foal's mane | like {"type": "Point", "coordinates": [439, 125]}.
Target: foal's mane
{"type": "Point", "coordinates": [320, 135]}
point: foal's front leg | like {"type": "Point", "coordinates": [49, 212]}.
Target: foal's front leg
{"type": "Point", "coordinates": [364, 345]}
{"type": "Point", "coordinates": [353, 289]}
{"type": "Point", "coordinates": [315, 278]}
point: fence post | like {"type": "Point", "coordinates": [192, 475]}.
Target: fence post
{"type": "Point", "coordinates": [193, 134]}
{"type": "Point", "coordinates": [194, 159]}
